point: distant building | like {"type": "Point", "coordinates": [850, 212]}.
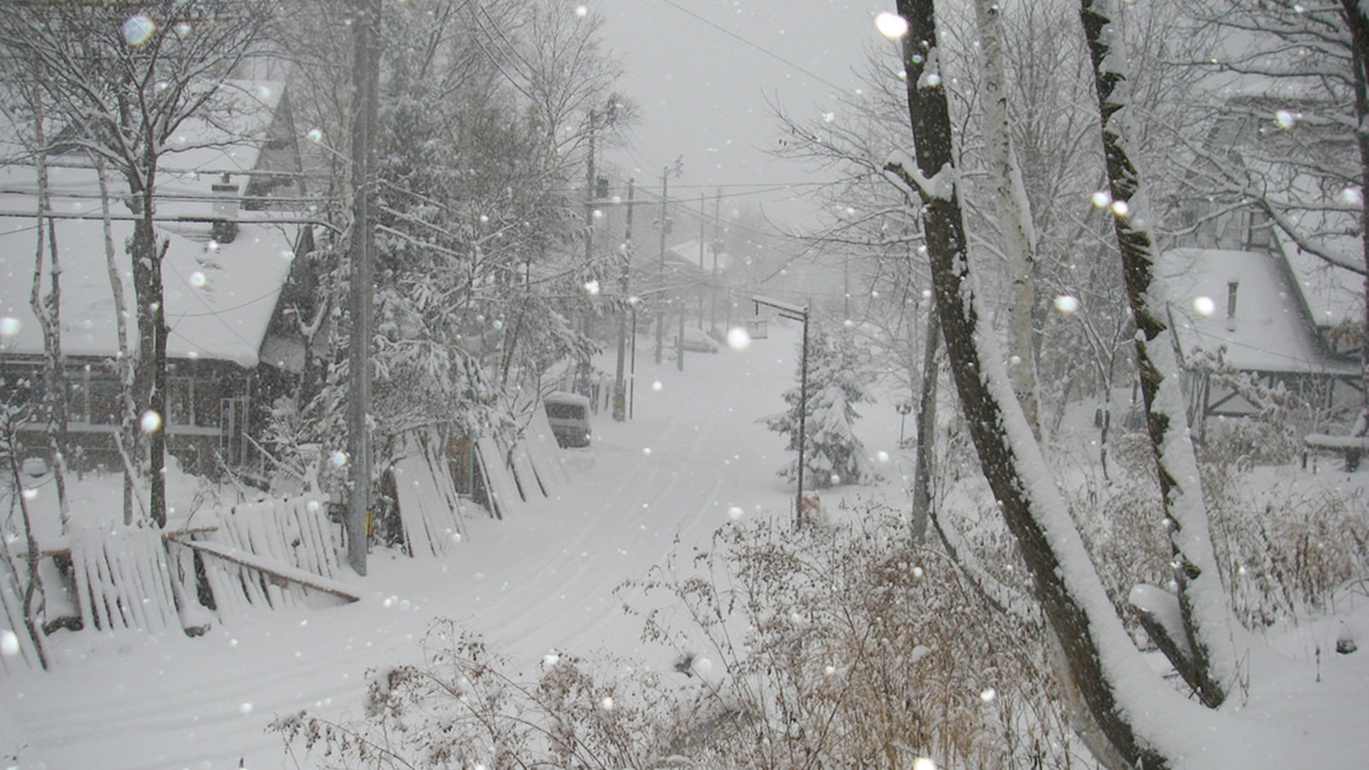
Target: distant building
{"type": "Point", "coordinates": [1246, 296]}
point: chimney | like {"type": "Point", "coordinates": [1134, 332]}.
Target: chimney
{"type": "Point", "coordinates": [225, 217]}
{"type": "Point", "coordinates": [1231, 287]}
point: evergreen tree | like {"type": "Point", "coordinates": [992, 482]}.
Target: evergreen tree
{"type": "Point", "coordinates": [833, 455]}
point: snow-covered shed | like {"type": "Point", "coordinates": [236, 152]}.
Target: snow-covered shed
{"type": "Point", "coordinates": [225, 193]}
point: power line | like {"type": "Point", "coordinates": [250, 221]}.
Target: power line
{"type": "Point", "coordinates": [754, 45]}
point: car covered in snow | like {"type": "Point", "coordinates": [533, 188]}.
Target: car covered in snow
{"type": "Point", "coordinates": [697, 341]}
{"type": "Point", "coordinates": [568, 414]}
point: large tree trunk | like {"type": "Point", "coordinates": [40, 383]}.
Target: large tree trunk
{"type": "Point", "coordinates": [149, 371]}
{"type": "Point", "coordinates": [1211, 665]}
{"type": "Point", "coordinates": [926, 428]}
{"type": "Point", "coordinates": [1357, 19]}
{"type": "Point", "coordinates": [1094, 648]}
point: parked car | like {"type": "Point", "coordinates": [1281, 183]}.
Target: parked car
{"type": "Point", "coordinates": [568, 414]}
{"type": "Point", "coordinates": [696, 341]}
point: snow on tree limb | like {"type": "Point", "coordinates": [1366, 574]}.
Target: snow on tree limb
{"type": "Point", "coordinates": [1126, 705]}
{"type": "Point", "coordinates": [941, 185]}
{"type": "Point", "coordinates": [1202, 598]}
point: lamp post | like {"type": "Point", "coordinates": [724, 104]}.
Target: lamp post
{"type": "Point", "coordinates": [795, 313]}
{"type": "Point", "coordinates": [904, 407]}
{"type": "Point", "coordinates": [619, 384]}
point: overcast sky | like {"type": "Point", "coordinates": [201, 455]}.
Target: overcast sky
{"type": "Point", "coordinates": [702, 71]}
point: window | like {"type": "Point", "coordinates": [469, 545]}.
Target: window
{"type": "Point", "coordinates": [180, 401]}
{"type": "Point", "coordinates": [102, 396]}
{"type": "Point", "coordinates": [559, 411]}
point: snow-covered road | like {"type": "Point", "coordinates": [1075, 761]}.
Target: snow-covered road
{"type": "Point", "coordinates": [694, 457]}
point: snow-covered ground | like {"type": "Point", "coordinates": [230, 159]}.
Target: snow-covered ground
{"type": "Point", "coordinates": [692, 458]}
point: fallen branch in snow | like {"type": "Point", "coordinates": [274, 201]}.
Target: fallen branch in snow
{"type": "Point", "coordinates": [277, 570]}
{"type": "Point", "coordinates": [1338, 443]}
{"type": "Point", "coordinates": [1162, 618]}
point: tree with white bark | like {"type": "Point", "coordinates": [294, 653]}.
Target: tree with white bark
{"type": "Point", "coordinates": [1096, 659]}
{"type": "Point", "coordinates": [118, 89]}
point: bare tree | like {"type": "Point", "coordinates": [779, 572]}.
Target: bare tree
{"type": "Point", "coordinates": [1093, 649]}
{"type": "Point", "coordinates": [1205, 656]}
{"type": "Point", "coordinates": [121, 87]}
{"type": "Point", "coordinates": [28, 119]}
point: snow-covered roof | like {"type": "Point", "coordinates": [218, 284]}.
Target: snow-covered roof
{"type": "Point", "coordinates": [688, 253]}
{"type": "Point", "coordinates": [220, 297]}
{"type": "Point", "coordinates": [1333, 295]}
{"type": "Point", "coordinates": [1268, 331]}
{"type": "Point", "coordinates": [196, 157]}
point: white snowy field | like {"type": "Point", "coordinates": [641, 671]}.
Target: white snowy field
{"type": "Point", "coordinates": [693, 459]}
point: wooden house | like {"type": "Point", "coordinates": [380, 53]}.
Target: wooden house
{"type": "Point", "coordinates": [227, 195]}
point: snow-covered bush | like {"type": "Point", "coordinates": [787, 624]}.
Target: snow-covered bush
{"type": "Point", "coordinates": [847, 646]}
{"type": "Point", "coordinates": [1271, 434]}
{"type": "Point", "coordinates": [841, 646]}
{"type": "Point", "coordinates": [1284, 552]}
{"type": "Point", "coordinates": [465, 707]}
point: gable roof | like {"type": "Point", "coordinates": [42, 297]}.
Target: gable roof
{"type": "Point", "coordinates": [1333, 295]}
{"type": "Point", "coordinates": [1268, 332]}
{"type": "Point", "coordinates": [220, 296]}
{"type": "Point", "coordinates": [687, 253]}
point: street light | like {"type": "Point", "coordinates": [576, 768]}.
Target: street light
{"type": "Point", "coordinates": [904, 407]}
{"type": "Point", "coordinates": [795, 313]}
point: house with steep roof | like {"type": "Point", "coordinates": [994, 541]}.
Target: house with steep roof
{"type": "Point", "coordinates": [228, 193]}
{"type": "Point", "coordinates": [1271, 283]}
{"type": "Point", "coordinates": [1246, 311]}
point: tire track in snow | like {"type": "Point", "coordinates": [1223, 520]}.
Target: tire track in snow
{"type": "Point", "coordinates": [671, 491]}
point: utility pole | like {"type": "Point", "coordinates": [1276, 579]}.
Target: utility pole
{"type": "Point", "coordinates": [589, 194]}
{"type": "Point", "coordinates": [584, 368]}
{"type": "Point", "coordinates": [365, 74]}
{"type": "Point", "coordinates": [702, 217]}
{"type": "Point", "coordinates": [717, 246]}
{"type": "Point", "coordinates": [679, 340]}
{"type": "Point", "coordinates": [619, 389]}
{"type": "Point", "coordinates": [662, 224]}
